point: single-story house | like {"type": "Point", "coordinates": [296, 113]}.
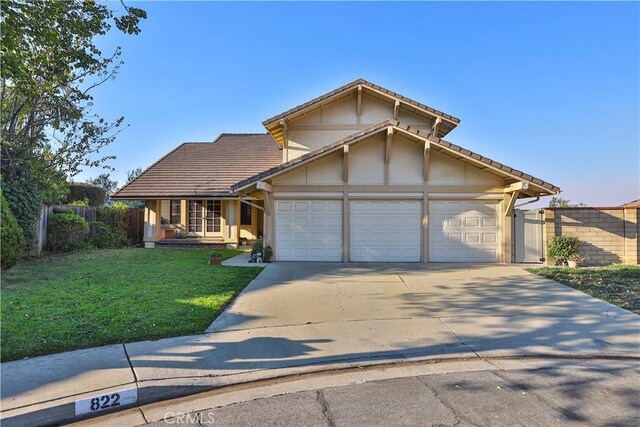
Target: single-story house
{"type": "Point", "coordinates": [358, 174]}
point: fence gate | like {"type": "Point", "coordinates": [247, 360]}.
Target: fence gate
{"type": "Point", "coordinates": [528, 235]}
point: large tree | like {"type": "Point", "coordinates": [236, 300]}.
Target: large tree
{"type": "Point", "coordinates": [105, 182]}
{"type": "Point", "coordinates": [50, 65]}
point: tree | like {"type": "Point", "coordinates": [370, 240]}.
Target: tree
{"type": "Point", "coordinates": [133, 174]}
{"type": "Point", "coordinates": [559, 202]}
{"type": "Point", "coordinates": [50, 65]}
{"type": "Point", "coordinates": [105, 182]}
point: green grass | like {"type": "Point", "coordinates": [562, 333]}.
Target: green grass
{"type": "Point", "coordinates": [92, 298]}
{"type": "Point", "coordinates": [617, 284]}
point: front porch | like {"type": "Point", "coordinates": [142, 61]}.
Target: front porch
{"type": "Point", "coordinates": [213, 222]}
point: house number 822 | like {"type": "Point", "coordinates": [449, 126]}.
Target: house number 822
{"type": "Point", "coordinates": [105, 401]}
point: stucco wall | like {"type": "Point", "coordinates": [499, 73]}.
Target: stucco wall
{"type": "Point", "coordinates": [339, 119]}
{"type": "Point", "coordinates": [445, 170]}
{"type": "Point", "coordinates": [607, 235]}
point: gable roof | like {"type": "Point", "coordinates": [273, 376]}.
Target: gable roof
{"type": "Point", "coordinates": [205, 169]}
{"type": "Point", "coordinates": [632, 203]}
{"type": "Point", "coordinates": [448, 122]}
{"type": "Point", "coordinates": [441, 144]}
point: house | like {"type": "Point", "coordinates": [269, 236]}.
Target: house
{"type": "Point", "coordinates": [358, 174]}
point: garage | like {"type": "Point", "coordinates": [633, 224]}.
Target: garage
{"type": "Point", "coordinates": [385, 231]}
{"type": "Point", "coordinates": [308, 230]}
{"type": "Point", "coordinates": [464, 231]}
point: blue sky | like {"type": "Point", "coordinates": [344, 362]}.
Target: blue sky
{"type": "Point", "coordinates": [552, 89]}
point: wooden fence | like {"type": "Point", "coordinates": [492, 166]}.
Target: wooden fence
{"type": "Point", "coordinates": [133, 218]}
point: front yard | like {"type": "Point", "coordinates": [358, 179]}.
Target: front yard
{"type": "Point", "coordinates": [617, 284]}
{"type": "Point", "coordinates": [92, 298]}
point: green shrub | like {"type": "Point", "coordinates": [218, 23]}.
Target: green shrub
{"type": "Point", "coordinates": [216, 253]}
{"type": "Point", "coordinates": [67, 231]}
{"type": "Point", "coordinates": [94, 195]}
{"type": "Point", "coordinates": [25, 202]}
{"type": "Point", "coordinates": [12, 244]}
{"type": "Point", "coordinates": [259, 248]}
{"type": "Point", "coordinates": [83, 202]}
{"type": "Point", "coordinates": [561, 248]}
{"type": "Point", "coordinates": [102, 236]}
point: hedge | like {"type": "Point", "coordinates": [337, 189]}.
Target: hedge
{"type": "Point", "coordinates": [12, 243]}
{"type": "Point", "coordinates": [25, 203]}
{"type": "Point", "coordinates": [93, 194]}
{"type": "Point", "coordinates": [102, 236]}
{"type": "Point", "coordinates": [66, 231]}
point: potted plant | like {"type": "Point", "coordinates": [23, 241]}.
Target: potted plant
{"type": "Point", "coordinates": [216, 257]}
{"type": "Point", "coordinates": [261, 252]}
{"type": "Point", "coordinates": [562, 248]}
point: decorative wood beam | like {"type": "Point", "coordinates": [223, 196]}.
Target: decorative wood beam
{"type": "Point", "coordinates": [267, 197]}
{"type": "Point", "coordinates": [359, 104]}
{"type": "Point", "coordinates": [345, 163]}
{"type": "Point", "coordinates": [261, 185]}
{"type": "Point", "coordinates": [387, 149]}
{"type": "Point", "coordinates": [512, 202]}
{"type": "Point", "coordinates": [396, 107]}
{"type": "Point", "coordinates": [516, 186]}
{"type": "Point", "coordinates": [285, 138]}
{"type": "Point", "coordinates": [427, 155]}
{"type": "Point", "coordinates": [434, 128]}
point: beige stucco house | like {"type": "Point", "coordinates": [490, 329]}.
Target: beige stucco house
{"type": "Point", "coordinates": [358, 174]}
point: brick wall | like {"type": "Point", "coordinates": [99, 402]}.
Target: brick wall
{"type": "Point", "coordinates": [607, 235]}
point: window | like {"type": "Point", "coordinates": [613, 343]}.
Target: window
{"type": "Point", "coordinates": [245, 214]}
{"type": "Point", "coordinates": [175, 214]}
{"type": "Point", "coordinates": [213, 216]}
{"type": "Point", "coordinates": [195, 216]}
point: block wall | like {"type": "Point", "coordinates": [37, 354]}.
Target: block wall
{"type": "Point", "coordinates": [607, 235]}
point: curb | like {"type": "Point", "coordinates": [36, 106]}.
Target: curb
{"type": "Point", "coordinates": [62, 410]}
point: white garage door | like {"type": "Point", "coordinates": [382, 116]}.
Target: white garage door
{"type": "Point", "coordinates": [464, 231]}
{"type": "Point", "coordinates": [383, 231]}
{"type": "Point", "coordinates": [308, 230]}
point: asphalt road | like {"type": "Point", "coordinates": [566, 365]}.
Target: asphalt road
{"type": "Point", "coordinates": [592, 393]}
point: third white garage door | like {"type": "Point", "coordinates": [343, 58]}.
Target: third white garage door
{"type": "Point", "coordinates": [385, 231]}
{"type": "Point", "coordinates": [464, 231]}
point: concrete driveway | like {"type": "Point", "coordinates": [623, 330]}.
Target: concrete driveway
{"type": "Point", "coordinates": [489, 310]}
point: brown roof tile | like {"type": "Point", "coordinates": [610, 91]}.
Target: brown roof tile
{"type": "Point", "coordinates": [205, 169]}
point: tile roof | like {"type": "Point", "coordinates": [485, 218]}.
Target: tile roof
{"type": "Point", "coordinates": [205, 169]}
{"type": "Point", "coordinates": [371, 130]}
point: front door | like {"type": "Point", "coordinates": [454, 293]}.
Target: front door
{"type": "Point", "coordinates": [205, 218]}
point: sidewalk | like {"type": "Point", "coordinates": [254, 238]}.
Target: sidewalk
{"type": "Point", "coordinates": [44, 390]}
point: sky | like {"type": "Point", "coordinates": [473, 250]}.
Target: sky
{"type": "Point", "coordinates": [552, 89]}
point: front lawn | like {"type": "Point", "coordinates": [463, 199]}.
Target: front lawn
{"type": "Point", "coordinates": [617, 284]}
{"type": "Point", "coordinates": [92, 298]}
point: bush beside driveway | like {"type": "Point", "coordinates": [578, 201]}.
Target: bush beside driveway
{"type": "Point", "coordinates": [92, 298]}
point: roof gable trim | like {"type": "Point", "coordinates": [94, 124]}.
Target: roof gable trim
{"type": "Point", "coordinates": [407, 130]}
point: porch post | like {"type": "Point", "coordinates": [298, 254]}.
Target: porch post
{"type": "Point", "coordinates": [151, 222]}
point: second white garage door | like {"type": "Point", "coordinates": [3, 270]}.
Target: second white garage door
{"type": "Point", "coordinates": [308, 230]}
{"type": "Point", "coordinates": [464, 231]}
{"type": "Point", "coordinates": [385, 231]}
